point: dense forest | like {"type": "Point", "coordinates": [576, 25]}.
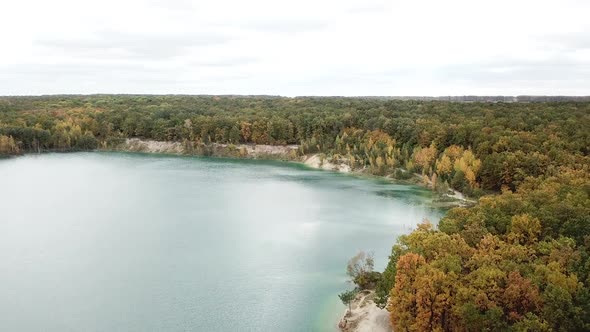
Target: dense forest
{"type": "Point", "coordinates": [519, 260]}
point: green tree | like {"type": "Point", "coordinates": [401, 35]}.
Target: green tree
{"type": "Point", "coordinates": [347, 297]}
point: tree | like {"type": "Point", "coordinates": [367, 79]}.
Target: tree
{"type": "Point", "coordinates": [245, 131]}
{"type": "Point", "coordinates": [444, 167]}
{"type": "Point", "coordinates": [402, 304]}
{"type": "Point", "coordinates": [8, 145]}
{"type": "Point", "coordinates": [347, 297]}
{"type": "Point", "coordinates": [424, 157]}
{"type": "Point", "coordinates": [360, 270]}
{"type": "Point", "coordinates": [524, 229]}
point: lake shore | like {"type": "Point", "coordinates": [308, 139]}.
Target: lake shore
{"type": "Point", "coordinates": [182, 219]}
{"type": "Point", "coordinates": [289, 153]}
{"type": "Point", "coordinates": [365, 316]}
{"type": "Point", "coordinates": [250, 151]}
{"type": "Point", "coordinates": [275, 152]}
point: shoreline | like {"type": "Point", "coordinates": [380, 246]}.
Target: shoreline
{"type": "Point", "coordinates": [278, 152]}
{"type": "Point", "coordinates": [287, 153]}
{"type": "Point", "coordinates": [365, 315]}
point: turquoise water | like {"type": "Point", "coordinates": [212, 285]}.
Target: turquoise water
{"type": "Point", "coordinates": [132, 242]}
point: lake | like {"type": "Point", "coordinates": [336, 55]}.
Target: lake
{"type": "Point", "coordinates": [137, 242]}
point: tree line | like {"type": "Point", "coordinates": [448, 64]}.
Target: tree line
{"type": "Point", "coordinates": [471, 147]}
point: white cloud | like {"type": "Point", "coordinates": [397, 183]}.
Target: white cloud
{"type": "Point", "coordinates": [304, 47]}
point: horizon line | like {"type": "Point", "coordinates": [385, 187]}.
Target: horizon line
{"type": "Point", "coordinates": [297, 96]}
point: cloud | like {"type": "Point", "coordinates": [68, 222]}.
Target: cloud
{"type": "Point", "coordinates": [226, 62]}
{"type": "Point", "coordinates": [303, 47]}
{"type": "Point", "coordinates": [507, 71]}
{"type": "Point", "coordinates": [109, 44]}
{"type": "Point", "coordinates": [180, 5]}
{"type": "Point", "coordinates": [369, 7]}
{"type": "Point", "coordinates": [286, 25]}
{"type": "Point", "coordinates": [570, 42]}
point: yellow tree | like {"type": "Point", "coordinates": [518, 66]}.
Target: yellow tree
{"type": "Point", "coordinates": [402, 304]}
{"type": "Point", "coordinates": [245, 130]}
{"type": "Point", "coordinates": [424, 157]}
{"type": "Point", "coordinates": [444, 167]}
{"type": "Point", "coordinates": [524, 230]}
{"type": "Point", "coordinates": [8, 145]}
{"type": "Point", "coordinates": [469, 165]}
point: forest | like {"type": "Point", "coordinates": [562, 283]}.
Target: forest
{"type": "Point", "coordinates": [518, 260]}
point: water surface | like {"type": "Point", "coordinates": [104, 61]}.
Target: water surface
{"type": "Point", "coordinates": [132, 242]}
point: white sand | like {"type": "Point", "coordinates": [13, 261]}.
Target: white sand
{"type": "Point", "coordinates": [138, 145]}
{"type": "Point", "coordinates": [262, 149]}
{"type": "Point", "coordinates": [365, 316]}
{"type": "Point", "coordinates": [167, 147]}
{"type": "Point", "coordinates": [316, 161]}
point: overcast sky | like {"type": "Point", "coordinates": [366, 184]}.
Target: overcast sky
{"type": "Point", "coordinates": [302, 47]}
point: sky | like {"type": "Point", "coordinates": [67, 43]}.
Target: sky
{"type": "Point", "coordinates": [295, 48]}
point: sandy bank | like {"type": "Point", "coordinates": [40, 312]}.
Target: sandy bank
{"type": "Point", "coordinates": [149, 146]}
{"type": "Point", "coordinates": [459, 198]}
{"type": "Point", "coordinates": [316, 161]}
{"type": "Point", "coordinates": [253, 151]}
{"type": "Point", "coordinates": [365, 316]}
{"type": "Point", "coordinates": [288, 152]}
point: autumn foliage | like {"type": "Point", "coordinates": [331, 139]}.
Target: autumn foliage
{"type": "Point", "coordinates": [514, 262]}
